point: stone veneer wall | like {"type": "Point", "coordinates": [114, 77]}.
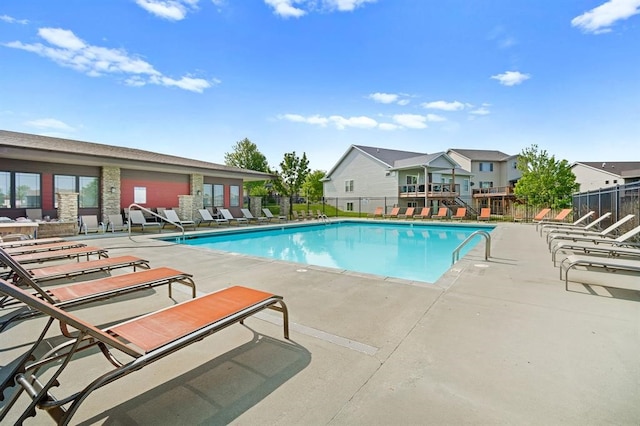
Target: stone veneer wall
{"type": "Point", "coordinates": [110, 201]}
{"type": "Point", "coordinates": [255, 206]}
{"type": "Point", "coordinates": [67, 216]}
{"type": "Point", "coordinates": [197, 186]}
{"type": "Point", "coordinates": [185, 207]}
{"type": "Point", "coordinates": [285, 204]}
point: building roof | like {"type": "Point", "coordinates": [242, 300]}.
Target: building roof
{"type": "Point", "coordinates": [482, 154]}
{"type": "Point", "coordinates": [388, 156]}
{"type": "Point", "coordinates": [618, 168]}
{"type": "Point", "coordinates": [44, 148]}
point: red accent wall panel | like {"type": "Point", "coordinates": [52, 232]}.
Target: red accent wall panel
{"type": "Point", "coordinates": [47, 191]}
{"type": "Point", "coordinates": [159, 193]}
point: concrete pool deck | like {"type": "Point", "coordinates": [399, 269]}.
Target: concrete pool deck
{"type": "Point", "coordinates": [492, 342]}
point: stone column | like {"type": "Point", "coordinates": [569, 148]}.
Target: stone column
{"type": "Point", "coordinates": [197, 190]}
{"type": "Point", "coordinates": [67, 211]}
{"type": "Point", "coordinates": [110, 200]}
{"type": "Point", "coordinates": [185, 207]}
{"type": "Point", "coordinates": [255, 206]}
{"type": "Point", "coordinates": [285, 204]}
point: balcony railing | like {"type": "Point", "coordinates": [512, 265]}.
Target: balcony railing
{"type": "Point", "coordinates": [432, 190]}
{"type": "Point", "coordinates": [495, 191]}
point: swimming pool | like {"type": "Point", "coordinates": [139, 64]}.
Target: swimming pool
{"type": "Point", "coordinates": [418, 252]}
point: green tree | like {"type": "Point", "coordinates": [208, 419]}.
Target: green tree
{"type": "Point", "coordinates": [292, 174]}
{"type": "Point", "coordinates": [246, 155]}
{"type": "Point", "coordinates": [312, 187]}
{"type": "Point", "coordinates": [545, 181]}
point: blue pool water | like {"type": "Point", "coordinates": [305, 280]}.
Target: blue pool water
{"type": "Point", "coordinates": [408, 251]}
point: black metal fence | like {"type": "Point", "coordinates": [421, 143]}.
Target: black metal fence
{"type": "Point", "coordinates": [620, 200]}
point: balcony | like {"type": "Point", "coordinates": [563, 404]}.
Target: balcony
{"type": "Point", "coordinates": [496, 191]}
{"type": "Point", "coordinates": [434, 190]}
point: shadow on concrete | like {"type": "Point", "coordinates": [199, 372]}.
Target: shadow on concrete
{"type": "Point", "coordinates": [216, 392]}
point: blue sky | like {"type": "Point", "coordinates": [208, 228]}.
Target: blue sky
{"type": "Point", "coordinates": [193, 77]}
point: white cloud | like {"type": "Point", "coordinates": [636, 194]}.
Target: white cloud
{"type": "Point", "coordinates": [173, 10]}
{"type": "Point", "coordinates": [383, 98]}
{"type": "Point", "coordinates": [412, 121]}
{"type": "Point", "coordinates": [361, 122]}
{"type": "Point", "coordinates": [480, 111]}
{"type": "Point", "coordinates": [435, 118]}
{"type": "Point", "coordinates": [67, 50]}
{"type": "Point", "coordinates": [11, 20]}
{"type": "Point", "coordinates": [338, 121]}
{"type": "Point", "coordinates": [345, 5]}
{"type": "Point", "coordinates": [511, 78]}
{"type": "Point", "coordinates": [298, 8]}
{"type": "Point", "coordinates": [599, 19]}
{"type": "Point", "coordinates": [49, 123]}
{"type": "Point", "coordinates": [444, 105]}
{"type": "Point", "coordinates": [285, 8]}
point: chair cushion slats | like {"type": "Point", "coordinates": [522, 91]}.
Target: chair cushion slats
{"type": "Point", "coordinates": [159, 328]}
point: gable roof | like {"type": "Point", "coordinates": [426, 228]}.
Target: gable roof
{"type": "Point", "coordinates": [48, 149]}
{"type": "Point", "coordinates": [387, 156]}
{"type": "Point", "coordinates": [482, 154]}
{"type": "Point", "coordinates": [618, 168]}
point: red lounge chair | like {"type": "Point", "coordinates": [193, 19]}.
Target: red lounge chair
{"type": "Point", "coordinates": [408, 214]}
{"type": "Point", "coordinates": [460, 213]}
{"type": "Point", "coordinates": [377, 213]}
{"type": "Point", "coordinates": [72, 253]}
{"type": "Point", "coordinates": [394, 213]}
{"type": "Point", "coordinates": [144, 339]}
{"type": "Point", "coordinates": [485, 213]}
{"type": "Point", "coordinates": [443, 212]}
{"type": "Point", "coordinates": [424, 213]}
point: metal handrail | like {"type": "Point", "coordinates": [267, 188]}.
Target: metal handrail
{"type": "Point", "coordinates": [455, 256]}
{"type": "Point", "coordinates": [164, 219]}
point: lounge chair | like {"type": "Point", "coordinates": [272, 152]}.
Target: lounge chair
{"type": "Point", "coordinates": [394, 213]}
{"type": "Point", "coordinates": [116, 223]}
{"type": "Point", "coordinates": [443, 213]}
{"type": "Point", "coordinates": [460, 213]}
{"type": "Point", "coordinates": [251, 218]}
{"type": "Point", "coordinates": [43, 247]}
{"type": "Point", "coordinates": [555, 235]}
{"type": "Point", "coordinates": [89, 223]}
{"type": "Point", "coordinates": [541, 214]}
{"type": "Point", "coordinates": [71, 271]}
{"type": "Point", "coordinates": [408, 214]}
{"type": "Point", "coordinates": [376, 213]}
{"type": "Point", "coordinates": [596, 244]}
{"type": "Point", "coordinates": [71, 253]}
{"type": "Point", "coordinates": [425, 212]}
{"type": "Point", "coordinates": [606, 264]}
{"type": "Point", "coordinates": [173, 218]}
{"type": "Point", "coordinates": [227, 215]}
{"type": "Point", "coordinates": [144, 339]}
{"type": "Point", "coordinates": [207, 218]}
{"type": "Point", "coordinates": [34, 214]}
{"type": "Point", "coordinates": [485, 214]}
{"type": "Point", "coordinates": [31, 242]}
{"type": "Point", "coordinates": [137, 219]}
{"type": "Point", "coordinates": [270, 216]}
{"type": "Point", "coordinates": [559, 218]}
{"type": "Point", "coordinates": [295, 216]}
{"type": "Point", "coordinates": [577, 224]}
{"type": "Point", "coordinates": [75, 294]}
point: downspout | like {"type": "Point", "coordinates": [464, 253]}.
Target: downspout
{"type": "Point", "coordinates": [426, 186]}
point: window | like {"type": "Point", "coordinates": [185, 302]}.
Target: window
{"type": "Point", "coordinates": [486, 167]}
{"type": "Point", "coordinates": [234, 194]}
{"type": "Point", "coordinates": [88, 191]}
{"type": "Point", "coordinates": [348, 185]}
{"type": "Point", "coordinates": [85, 186]}
{"type": "Point", "coordinates": [412, 204]}
{"type": "Point", "coordinates": [207, 195]}
{"type": "Point", "coordinates": [218, 195]}
{"type": "Point", "coordinates": [27, 190]}
{"type": "Point", "coordinates": [465, 185]}
{"type": "Point", "coordinates": [486, 184]}
{"type": "Point", "coordinates": [349, 207]}
{"type": "Point", "coordinates": [515, 164]}
{"type": "Point", "coordinates": [412, 180]}
{"type": "Point", "coordinates": [5, 190]}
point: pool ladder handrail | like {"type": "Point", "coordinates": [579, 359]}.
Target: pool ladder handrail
{"type": "Point", "coordinates": [455, 256]}
{"type": "Point", "coordinates": [323, 218]}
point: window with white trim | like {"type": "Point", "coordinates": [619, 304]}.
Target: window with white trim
{"type": "Point", "coordinates": [349, 207]}
{"type": "Point", "coordinates": [485, 167]}
{"type": "Point", "coordinates": [348, 185]}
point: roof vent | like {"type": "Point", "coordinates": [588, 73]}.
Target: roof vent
{"type": "Point", "coordinates": [603, 164]}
